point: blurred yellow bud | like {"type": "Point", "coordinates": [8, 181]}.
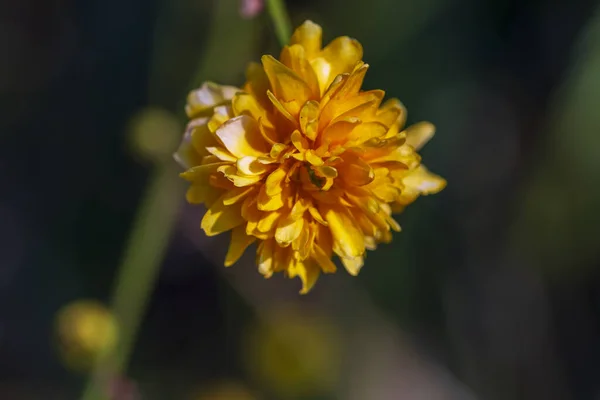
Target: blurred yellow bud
{"type": "Point", "coordinates": [295, 354]}
{"type": "Point", "coordinates": [86, 329]}
{"type": "Point", "coordinates": [154, 134]}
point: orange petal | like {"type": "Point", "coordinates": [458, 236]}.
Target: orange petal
{"type": "Point", "coordinates": [354, 171]}
{"type": "Point", "coordinates": [338, 132]}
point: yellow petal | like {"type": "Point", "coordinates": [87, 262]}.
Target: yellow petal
{"type": "Point", "coordinates": [221, 154]}
{"type": "Point", "coordinates": [249, 165]}
{"type": "Point", "coordinates": [239, 243]}
{"type": "Point", "coordinates": [286, 84]}
{"type": "Point", "coordinates": [208, 96]}
{"type": "Point", "coordinates": [317, 215]}
{"type": "Point", "coordinates": [370, 243]}
{"type": "Point", "coordinates": [419, 134]}
{"type": "Point", "coordinates": [273, 182]}
{"type": "Point", "coordinates": [393, 223]}
{"type": "Point", "coordinates": [196, 193]}
{"type": "Point", "coordinates": [302, 245]}
{"type": "Point", "coordinates": [299, 141]}
{"type": "Point", "coordinates": [353, 264]}
{"type": "Point", "coordinates": [220, 115]}
{"type": "Point", "coordinates": [392, 112]}
{"type": "Point", "coordinates": [313, 159]}
{"type": "Point", "coordinates": [308, 273]}
{"type": "Point", "coordinates": [281, 108]}
{"type": "Point", "coordinates": [366, 131]}
{"type": "Point", "coordinates": [282, 257]}
{"type": "Point", "coordinates": [265, 257]}
{"type": "Point", "coordinates": [237, 194]}
{"type": "Point", "coordinates": [352, 85]}
{"type": "Point", "coordinates": [277, 149]}
{"type": "Point", "coordinates": [220, 218]}
{"type": "Point", "coordinates": [299, 209]}
{"type": "Point", "coordinates": [231, 172]}
{"type": "Point", "coordinates": [200, 173]}
{"type": "Point", "coordinates": [186, 155]}
{"type": "Point", "coordinates": [246, 104]}
{"type": "Point", "coordinates": [269, 133]}
{"type": "Point", "coordinates": [346, 235]}
{"type": "Point", "coordinates": [268, 221]}
{"type": "Point", "coordinates": [340, 56]}
{"type": "Point", "coordinates": [365, 224]}
{"type": "Point", "coordinates": [309, 119]}
{"type": "Point", "coordinates": [309, 36]}
{"type": "Point", "coordinates": [270, 203]}
{"type": "Point", "coordinates": [326, 171]}
{"type": "Point", "coordinates": [219, 181]}
{"type": "Point", "coordinates": [424, 181]}
{"type": "Point", "coordinates": [386, 192]}
{"type": "Point", "coordinates": [257, 84]}
{"type": "Point", "coordinates": [363, 106]}
{"type": "Point", "coordinates": [288, 229]}
{"type": "Point", "coordinates": [294, 57]}
{"type": "Point", "coordinates": [201, 137]}
{"type": "Point", "coordinates": [324, 261]}
{"type": "Point", "coordinates": [241, 136]}
{"type": "Point", "coordinates": [210, 159]}
{"type": "Point", "coordinates": [211, 197]}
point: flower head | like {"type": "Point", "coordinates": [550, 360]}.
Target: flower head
{"type": "Point", "coordinates": [303, 161]}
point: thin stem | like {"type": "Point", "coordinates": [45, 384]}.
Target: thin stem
{"type": "Point", "coordinates": [281, 20]}
{"type": "Point", "coordinates": [137, 276]}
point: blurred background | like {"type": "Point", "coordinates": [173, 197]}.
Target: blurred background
{"type": "Point", "coordinates": [491, 291]}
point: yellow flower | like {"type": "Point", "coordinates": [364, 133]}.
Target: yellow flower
{"type": "Point", "coordinates": [302, 161]}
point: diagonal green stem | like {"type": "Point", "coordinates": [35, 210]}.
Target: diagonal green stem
{"type": "Point", "coordinates": [150, 236]}
{"type": "Point", "coordinates": [281, 20]}
{"type": "Point", "coordinates": [136, 278]}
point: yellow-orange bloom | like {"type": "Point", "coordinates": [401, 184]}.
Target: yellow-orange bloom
{"type": "Point", "coordinates": [302, 160]}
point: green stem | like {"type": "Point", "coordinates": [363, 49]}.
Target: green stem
{"type": "Point", "coordinates": [134, 284]}
{"type": "Point", "coordinates": [281, 20]}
